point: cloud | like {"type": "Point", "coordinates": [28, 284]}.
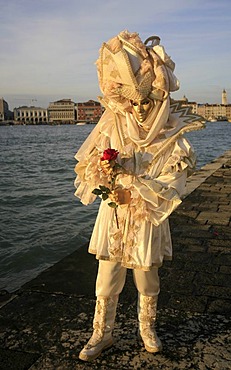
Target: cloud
{"type": "Point", "coordinates": [48, 47]}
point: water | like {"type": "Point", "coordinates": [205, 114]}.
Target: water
{"type": "Point", "coordinates": [211, 142]}
{"type": "Point", "coordinates": [41, 220]}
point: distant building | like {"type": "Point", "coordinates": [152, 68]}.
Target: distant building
{"type": "Point", "coordinates": [5, 113]}
{"type": "Point", "coordinates": [62, 111]}
{"type": "Point", "coordinates": [30, 115]}
{"type": "Point", "coordinates": [224, 97]}
{"type": "Point", "coordinates": [211, 112]}
{"type": "Point", "coordinates": [214, 112]}
{"type": "Point", "coordinates": [89, 112]}
{"type": "Point", "coordinates": [184, 101]}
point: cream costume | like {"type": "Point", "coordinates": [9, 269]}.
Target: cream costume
{"type": "Point", "coordinates": [155, 159]}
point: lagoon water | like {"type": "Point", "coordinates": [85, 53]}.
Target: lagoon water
{"type": "Point", "coordinates": [41, 220]}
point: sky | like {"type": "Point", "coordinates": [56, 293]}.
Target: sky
{"type": "Point", "coordinates": [48, 48]}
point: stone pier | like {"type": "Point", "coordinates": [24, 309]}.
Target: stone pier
{"type": "Point", "coordinates": [45, 324]}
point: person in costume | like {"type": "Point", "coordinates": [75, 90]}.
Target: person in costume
{"type": "Point", "coordinates": [143, 128]}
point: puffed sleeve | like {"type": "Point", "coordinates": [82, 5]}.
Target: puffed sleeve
{"type": "Point", "coordinates": [163, 193]}
{"type": "Point", "coordinates": [87, 169]}
{"type": "Point", "coordinates": [88, 177]}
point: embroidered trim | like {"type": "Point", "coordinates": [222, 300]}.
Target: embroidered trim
{"type": "Point", "coordinates": [148, 306]}
{"type": "Point", "coordinates": [100, 315]}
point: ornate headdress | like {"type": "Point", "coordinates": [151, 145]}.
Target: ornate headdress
{"type": "Point", "coordinates": [133, 70]}
{"type": "Point", "coordinates": [129, 69]}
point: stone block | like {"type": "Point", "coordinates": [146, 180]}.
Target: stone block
{"type": "Point", "coordinates": [224, 201]}
{"type": "Point", "coordinates": [188, 303]}
{"type": "Point", "coordinates": [16, 360]}
{"type": "Point", "coordinates": [193, 231]}
{"type": "Point", "coordinates": [225, 269]}
{"type": "Point", "coordinates": [218, 292]}
{"type": "Point", "coordinates": [223, 259]}
{"type": "Point", "coordinates": [198, 257]}
{"type": "Point", "coordinates": [216, 279]}
{"type": "Point", "coordinates": [214, 218]}
{"type": "Point", "coordinates": [219, 306]}
{"type": "Point", "coordinates": [179, 281]}
{"type": "Point", "coordinates": [224, 232]}
{"type": "Point", "coordinates": [187, 213]}
{"type": "Point", "coordinates": [195, 248]}
{"type": "Point", "coordinates": [220, 245]}
{"type": "Point", "coordinates": [208, 206]}
{"type": "Point", "coordinates": [201, 267]}
{"type": "Point", "coordinates": [194, 241]}
{"type": "Point", "coordinates": [224, 208]}
{"type": "Point", "coordinates": [218, 249]}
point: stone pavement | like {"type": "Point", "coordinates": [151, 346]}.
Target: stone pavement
{"type": "Point", "coordinates": [45, 323]}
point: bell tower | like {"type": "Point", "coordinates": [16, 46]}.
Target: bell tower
{"type": "Point", "coordinates": [224, 97]}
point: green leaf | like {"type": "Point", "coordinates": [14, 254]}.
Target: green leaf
{"type": "Point", "coordinates": [108, 191]}
{"type": "Point", "coordinates": [117, 166]}
{"type": "Point", "coordinates": [104, 196]}
{"type": "Point", "coordinates": [104, 189]}
{"type": "Point", "coordinates": [112, 205]}
{"type": "Point", "coordinates": [97, 192]}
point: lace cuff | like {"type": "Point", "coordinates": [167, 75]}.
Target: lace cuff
{"type": "Point", "coordinates": [88, 177]}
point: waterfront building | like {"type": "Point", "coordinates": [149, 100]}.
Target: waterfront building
{"type": "Point", "coordinates": [5, 113]}
{"type": "Point", "coordinates": [214, 112]}
{"type": "Point", "coordinates": [228, 112]}
{"type": "Point", "coordinates": [211, 112]}
{"type": "Point", "coordinates": [62, 111]}
{"type": "Point", "coordinates": [89, 112]}
{"type": "Point", "coordinates": [224, 97]}
{"type": "Point", "coordinates": [30, 115]}
{"type": "Point", "coordinates": [192, 104]}
{"type": "Point", "coordinates": [68, 112]}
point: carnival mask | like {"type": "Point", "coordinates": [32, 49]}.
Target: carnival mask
{"type": "Point", "coordinates": [141, 109]}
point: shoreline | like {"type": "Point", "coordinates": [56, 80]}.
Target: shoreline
{"type": "Point", "coordinates": [45, 323]}
{"type": "Point", "coordinates": [78, 123]}
{"type": "Point", "coordinates": [192, 183]}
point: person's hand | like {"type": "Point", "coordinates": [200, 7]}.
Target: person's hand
{"type": "Point", "coordinates": [107, 166]}
{"type": "Point", "coordinates": [120, 196]}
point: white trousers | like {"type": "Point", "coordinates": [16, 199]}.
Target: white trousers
{"type": "Point", "coordinates": [111, 279]}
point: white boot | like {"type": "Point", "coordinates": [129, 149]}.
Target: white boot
{"type": "Point", "coordinates": [103, 324]}
{"type": "Point", "coordinates": [147, 316]}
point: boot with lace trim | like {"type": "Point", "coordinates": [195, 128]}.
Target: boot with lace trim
{"type": "Point", "coordinates": [103, 324]}
{"type": "Point", "coordinates": [147, 307]}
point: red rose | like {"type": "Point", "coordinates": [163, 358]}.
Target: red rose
{"type": "Point", "coordinates": [109, 155]}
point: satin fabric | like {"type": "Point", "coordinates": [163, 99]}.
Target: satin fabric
{"type": "Point", "coordinates": [111, 279]}
{"type": "Point", "coordinates": [156, 182]}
